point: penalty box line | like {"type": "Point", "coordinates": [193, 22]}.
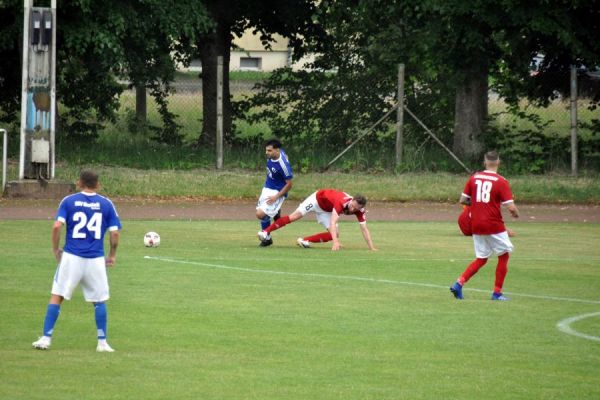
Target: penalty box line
{"type": "Point", "coordinates": [360, 279]}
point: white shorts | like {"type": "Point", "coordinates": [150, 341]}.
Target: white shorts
{"type": "Point", "coordinates": [269, 209]}
{"type": "Point", "coordinates": [498, 243]}
{"type": "Point", "coordinates": [310, 204]}
{"type": "Point", "coordinates": [89, 272]}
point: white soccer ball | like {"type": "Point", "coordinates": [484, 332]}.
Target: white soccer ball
{"type": "Point", "coordinates": [151, 239]}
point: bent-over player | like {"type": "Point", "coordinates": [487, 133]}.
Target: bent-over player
{"type": "Point", "coordinates": [328, 205]}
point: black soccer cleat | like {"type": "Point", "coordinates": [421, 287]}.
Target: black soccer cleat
{"type": "Point", "coordinates": [266, 243]}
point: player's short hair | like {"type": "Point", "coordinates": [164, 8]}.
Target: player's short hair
{"type": "Point", "coordinates": [491, 156]}
{"type": "Point", "coordinates": [89, 179]}
{"type": "Point", "coordinates": [273, 142]}
{"type": "Point", "coordinates": [360, 199]}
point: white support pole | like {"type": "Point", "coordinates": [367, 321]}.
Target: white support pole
{"type": "Point", "coordinates": [27, 4]}
{"type": "Point", "coordinates": [53, 94]}
{"type": "Point", "coordinates": [574, 120]}
{"type": "Point", "coordinates": [220, 112]}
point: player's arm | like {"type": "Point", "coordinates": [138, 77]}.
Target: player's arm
{"type": "Point", "coordinates": [56, 240]}
{"type": "Point", "coordinates": [114, 243]}
{"type": "Point", "coordinates": [464, 199]}
{"type": "Point", "coordinates": [367, 235]}
{"type": "Point", "coordinates": [512, 209]}
{"type": "Point", "coordinates": [334, 231]}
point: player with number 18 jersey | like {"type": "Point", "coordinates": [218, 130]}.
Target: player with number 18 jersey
{"type": "Point", "coordinates": [487, 191]}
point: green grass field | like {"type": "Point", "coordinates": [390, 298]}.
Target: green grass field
{"type": "Point", "coordinates": [212, 316]}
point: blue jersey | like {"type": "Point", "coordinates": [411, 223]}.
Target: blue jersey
{"type": "Point", "coordinates": [87, 217]}
{"type": "Point", "coordinates": [278, 171]}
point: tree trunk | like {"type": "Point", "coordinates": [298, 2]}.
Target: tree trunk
{"type": "Point", "coordinates": [212, 46]}
{"type": "Point", "coordinates": [140, 106]}
{"type": "Point", "coordinates": [470, 115]}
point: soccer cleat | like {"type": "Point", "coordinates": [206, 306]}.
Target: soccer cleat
{"type": "Point", "coordinates": [103, 347]}
{"type": "Point", "coordinates": [303, 243]}
{"type": "Point", "coordinates": [266, 243]}
{"type": "Point", "coordinates": [42, 343]}
{"type": "Point", "coordinates": [499, 297]}
{"type": "Point", "coordinates": [263, 236]}
{"type": "Point", "coordinates": [456, 290]}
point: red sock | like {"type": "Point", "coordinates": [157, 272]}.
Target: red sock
{"type": "Point", "coordinates": [471, 270]}
{"type": "Point", "coordinates": [319, 237]}
{"type": "Point", "coordinates": [280, 223]}
{"type": "Point", "coordinates": [501, 270]}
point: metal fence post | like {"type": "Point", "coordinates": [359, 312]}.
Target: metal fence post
{"type": "Point", "coordinates": [400, 116]}
{"type": "Point", "coordinates": [4, 159]}
{"type": "Point", "coordinates": [573, 120]}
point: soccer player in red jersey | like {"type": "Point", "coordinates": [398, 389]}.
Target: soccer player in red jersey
{"type": "Point", "coordinates": [329, 205]}
{"type": "Point", "coordinates": [485, 192]}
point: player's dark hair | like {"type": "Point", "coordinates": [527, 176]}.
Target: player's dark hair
{"type": "Point", "coordinates": [89, 179]}
{"type": "Point", "coordinates": [492, 156]}
{"type": "Point", "coordinates": [275, 143]}
{"type": "Point", "coordinates": [360, 199]}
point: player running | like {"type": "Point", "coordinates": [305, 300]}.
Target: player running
{"type": "Point", "coordinates": [276, 188]}
{"type": "Point", "coordinates": [485, 192]}
{"type": "Point", "coordinates": [329, 205]}
{"type": "Point", "coordinates": [87, 216]}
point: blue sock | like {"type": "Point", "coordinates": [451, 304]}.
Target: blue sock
{"type": "Point", "coordinates": [265, 222]}
{"type": "Point", "coordinates": [101, 319]}
{"type": "Point", "coordinates": [52, 313]}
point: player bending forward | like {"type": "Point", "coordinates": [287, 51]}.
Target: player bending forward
{"type": "Point", "coordinates": [485, 192]}
{"type": "Point", "coordinates": [328, 204]}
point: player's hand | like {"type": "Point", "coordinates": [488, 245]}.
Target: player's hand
{"type": "Point", "coordinates": [110, 261]}
{"type": "Point", "coordinates": [271, 199]}
{"type": "Point", "coordinates": [58, 254]}
{"type": "Point", "coordinates": [336, 246]}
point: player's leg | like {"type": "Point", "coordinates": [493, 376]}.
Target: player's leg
{"type": "Point", "coordinates": [96, 291]}
{"type": "Point", "coordinates": [502, 246]}
{"type": "Point", "coordinates": [482, 252]}
{"type": "Point", "coordinates": [266, 211]}
{"type": "Point", "coordinates": [317, 238]}
{"type": "Point", "coordinates": [66, 278]}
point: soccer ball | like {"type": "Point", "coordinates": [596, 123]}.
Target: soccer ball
{"type": "Point", "coordinates": [151, 239]}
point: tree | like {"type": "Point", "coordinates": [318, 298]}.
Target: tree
{"type": "Point", "coordinates": [450, 48]}
{"type": "Point", "coordinates": [290, 19]}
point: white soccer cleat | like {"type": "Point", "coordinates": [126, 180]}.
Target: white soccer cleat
{"type": "Point", "coordinates": [303, 243]}
{"type": "Point", "coordinates": [263, 236]}
{"type": "Point", "coordinates": [103, 347]}
{"type": "Point", "coordinates": [42, 343]}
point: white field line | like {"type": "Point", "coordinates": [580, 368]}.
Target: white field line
{"type": "Point", "coordinates": [359, 278]}
{"type": "Point", "coordinates": [565, 326]}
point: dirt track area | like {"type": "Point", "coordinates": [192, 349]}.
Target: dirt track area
{"type": "Point", "coordinates": [191, 209]}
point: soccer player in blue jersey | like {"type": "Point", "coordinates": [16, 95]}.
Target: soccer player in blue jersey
{"type": "Point", "coordinates": [276, 188]}
{"type": "Point", "coordinates": [87, 216]}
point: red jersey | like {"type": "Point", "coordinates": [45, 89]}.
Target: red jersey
{"type": "Point", "coordinates": [330, 199]}
{"type": "Point", "coordinates": [487, 191]}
